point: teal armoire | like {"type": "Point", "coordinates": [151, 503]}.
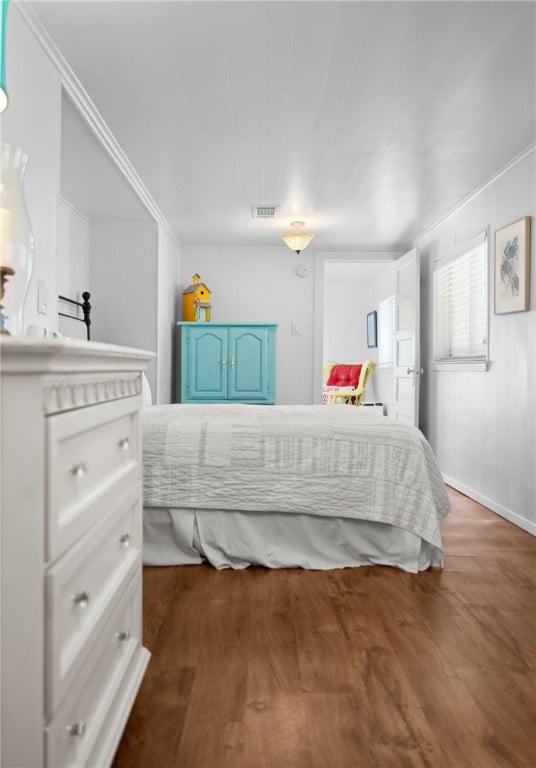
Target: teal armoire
{"type": "Point", "coordinates": [227, 362]}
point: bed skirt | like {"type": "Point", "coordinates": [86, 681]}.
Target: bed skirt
{"type": "Point", "coordinates": [237, 539]}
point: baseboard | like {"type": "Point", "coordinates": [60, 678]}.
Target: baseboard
{"type": "Point", "coordinates": [513, 517]}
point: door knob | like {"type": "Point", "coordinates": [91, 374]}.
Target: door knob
{"type": "Point", "coordinates": [77, 729]}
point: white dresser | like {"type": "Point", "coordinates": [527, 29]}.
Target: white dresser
{"type": "Point", "coordinates": [71, 537]}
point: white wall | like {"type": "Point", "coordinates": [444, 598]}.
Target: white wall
{"type": "Point", "coordinates": [261, 285]}
{"type": "Point", "coordinates": [168, 296]}
{"type": "Point", "coordinates": [134, 283]}
{"type": "Point", "coordinates": [351, 291]}
{"type": "Point", "coordinates": [73, 265]}
{"type": "Point", "coordinates": [482, 426]}
{"type": "Point", "coordinates": [73, 251]}
{"type": "Point", "coordinates": [131, 269]}
{"type": "Point", "coordinates": [32, 122]}
{"type": "Point", "coordinates": [124, 274]}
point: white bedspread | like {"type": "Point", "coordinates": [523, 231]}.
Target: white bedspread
{"type": "Point", "coordinates": [332, 461]}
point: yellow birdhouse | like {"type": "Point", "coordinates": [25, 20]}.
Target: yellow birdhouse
{"type": "Point", "coordinates": [196, 304]}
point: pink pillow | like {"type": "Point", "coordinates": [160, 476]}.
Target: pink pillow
{"type": "Point", "coordinates": [342, 375]}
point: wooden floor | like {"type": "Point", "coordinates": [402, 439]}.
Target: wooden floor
{"type": "Point", "coordinates": [354, 668]}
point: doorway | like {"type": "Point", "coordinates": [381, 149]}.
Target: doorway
{"type": "Point", "coordinates": [351, 289]}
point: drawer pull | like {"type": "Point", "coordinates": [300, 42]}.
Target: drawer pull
{"type": "Point", "coordinates": [123, 636]}
{"type": "Point", "coordinates": [124, 539]}
{"type": "Point", "coordinates": [124, 443]}
{"type": "Point", "coordinates": [81, 599]}
{"type": "Point", "coordinates": [79, 470]}
{"type": "Point", "coordinates": [77, 729]}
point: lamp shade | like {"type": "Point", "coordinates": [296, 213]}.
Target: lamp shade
{"type": "Point", "coordinates": [16, 240]}
{"type": "Point", "coordinates": [3, 23]}
{"type": "Point", "coordinates": [297, 241]}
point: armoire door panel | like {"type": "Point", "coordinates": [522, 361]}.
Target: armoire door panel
{"type": "Point", "coordinates": [249, 364]}
{"type": "Point", "coordinates": [207, 364]}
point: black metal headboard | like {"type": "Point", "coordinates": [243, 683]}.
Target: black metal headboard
{"type": "Point", "coordinates": [84, 305]}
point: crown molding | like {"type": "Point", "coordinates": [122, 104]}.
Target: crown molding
{"type": "Point", "coordinates": [508, 167]}
{"type": "Point", "coordinates": [91, 115]}
{"type": "Point", "coordinates": [73, 210]}
{"type": "Point", "coordinates": [365, 255]}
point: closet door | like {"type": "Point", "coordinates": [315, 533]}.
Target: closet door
{"type": "Point", "coordinates": [251, 365]}
{"type": "Point", "coordinates": [207, 368]}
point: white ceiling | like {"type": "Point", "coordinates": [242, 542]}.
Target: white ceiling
{"type": "Point", "coordinates": [369, 120]}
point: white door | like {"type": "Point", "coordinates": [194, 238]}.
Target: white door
{"type": "Point", "coordinates": [407, 346]}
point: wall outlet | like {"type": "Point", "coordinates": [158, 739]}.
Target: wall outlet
{"type": "Point", "coordinates": [42, 297]}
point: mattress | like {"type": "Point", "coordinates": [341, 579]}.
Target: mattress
{"type": "Point", "coordinates": [304, 475]}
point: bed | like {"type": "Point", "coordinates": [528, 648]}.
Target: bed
{"type": "Point", "coordinates": [308, 486]}
{"type": "Point", "coordinates": [285, 486]}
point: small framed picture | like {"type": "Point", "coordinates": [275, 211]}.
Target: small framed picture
{"type": "Point", "coordinates": [512, 267]}
{"type": "Point", "coordinates": [371, 329]}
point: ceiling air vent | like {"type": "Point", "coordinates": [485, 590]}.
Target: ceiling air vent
{"type": "Point", "coordinates": [263, 211]}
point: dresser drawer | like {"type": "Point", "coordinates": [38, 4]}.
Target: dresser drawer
{"type": "Point", "coordinates": [91, 454]}
{"type": "Point", "coordinates": [81, 589]}
{"type": "Point", "coordinates": [73, 731]}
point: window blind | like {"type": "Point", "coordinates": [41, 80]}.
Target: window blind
{"type": "Point", "coordinates": [386, 332]}
{"type": "Point", "coordinates": [461, 304]}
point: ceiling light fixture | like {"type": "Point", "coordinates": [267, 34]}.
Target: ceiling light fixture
{"type": "Point", "coordinates": [297, 241]}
